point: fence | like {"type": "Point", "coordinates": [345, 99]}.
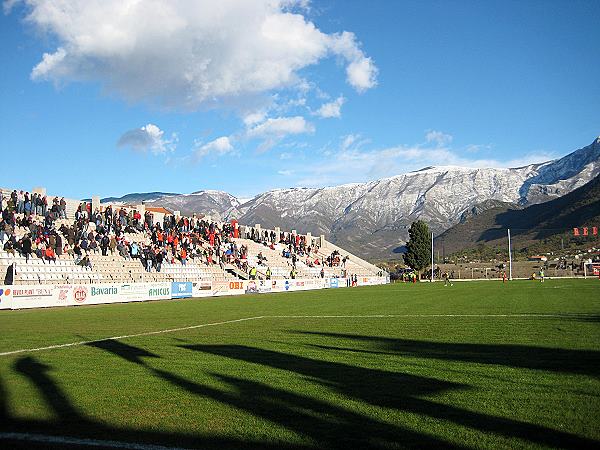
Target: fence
{"type": "Point", "coordinates": [484, 253]}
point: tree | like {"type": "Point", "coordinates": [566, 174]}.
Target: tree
{"type": "Point", "coordinates": [418, 248]}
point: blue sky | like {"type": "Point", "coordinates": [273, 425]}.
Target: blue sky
{"type": "Point", "coordinates": [111, 97]}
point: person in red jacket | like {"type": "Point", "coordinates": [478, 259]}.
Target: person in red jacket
{"type": "Point", "coordinates": [49, 254]}
{"type": "Point", "coordinates": [183, 255]}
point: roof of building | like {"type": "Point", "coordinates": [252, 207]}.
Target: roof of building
{"type": "Point", "coordinates": [159, 209]}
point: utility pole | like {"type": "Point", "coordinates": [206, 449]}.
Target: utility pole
{"type": "Point", "coordinates": [432, 257]}
{"type": "Point", "coordinates": [509, 257]}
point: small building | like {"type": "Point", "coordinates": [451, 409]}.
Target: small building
{"type": "Point", "coordinates": [538, 258]}
{"type": "Point", "coordinates": [158, 213]}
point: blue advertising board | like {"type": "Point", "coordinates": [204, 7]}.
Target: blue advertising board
{"type": "Point", "coordinates": [333, 283]}
{"type": "Point", "coordinates": [181, 289]}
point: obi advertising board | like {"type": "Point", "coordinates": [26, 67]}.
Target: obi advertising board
{"type": "Point", "coordinates": [229, 287]}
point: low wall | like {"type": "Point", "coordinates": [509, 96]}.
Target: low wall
{"type": "Point", "coordinates": [43, 296]}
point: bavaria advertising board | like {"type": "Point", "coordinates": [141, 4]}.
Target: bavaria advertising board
{"type": "Point", "coordinates": [118, 293]}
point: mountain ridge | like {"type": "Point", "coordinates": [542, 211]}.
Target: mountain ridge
{"type": "Point", "coordinates": [533, 224]}
{"type": "Point", "coordinates": [372, 218]}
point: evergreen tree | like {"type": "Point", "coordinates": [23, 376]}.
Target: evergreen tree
{"type": "Point", "coordinates": [418, 248]}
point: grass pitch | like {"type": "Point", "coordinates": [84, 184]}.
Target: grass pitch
{"type": "Point", "coordinates": [477, 364]}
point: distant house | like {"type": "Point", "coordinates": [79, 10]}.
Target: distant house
{"type": "Point", "coordinates": [159, 210]}
{"type": "Point", "coordinates": [538, 258]}
{"type": "Point", "coordinates": [158, 213]}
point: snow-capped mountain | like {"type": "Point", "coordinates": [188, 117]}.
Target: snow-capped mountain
{"type": "Point", "coordinates": [372, 219]}
{"type": "Point", "coordinates": [218, 204]}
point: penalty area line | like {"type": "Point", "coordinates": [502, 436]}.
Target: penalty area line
{"type": "Point", "coordinates": [81, 442]}
{"type": "Point", "coordinates": [245, 319]}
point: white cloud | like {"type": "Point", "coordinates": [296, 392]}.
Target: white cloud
{"type": "Point", "coordinates": [285, 173]}
{"type": "Point", "coordinates": [189, 53]}
{"type": "Point", "coordinates": [50, 62]}
{"type": "Point", "coordinates": [280, 127]}
{"type": "Point", "coordinates": [438, 137]}
{"type": "Point", "coordinates": [361, 72]}
{"type": "Point", "coordinates": [220, 146]}
{"type": "Point", "coordinates": [350, 163]}
{"type": "Point", "coordinates": [254, 118]}
{"type": "Point", "coordinates": [148, 138]}
{"type": "Point", "coordinates": [331, 109]}
{"type": "Point", "coordinates": [348, 141]}
{"type": "Point", "coordinates": [353, 142]}
{"type": "Point", "coordinates": [273, 130]}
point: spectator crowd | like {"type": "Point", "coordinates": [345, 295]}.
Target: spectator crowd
{"type": "Point", "coordinates": [133, 236]}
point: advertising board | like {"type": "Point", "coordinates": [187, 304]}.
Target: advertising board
{"type": "Point", "coordinates": [181, 289]}
{"type": "Point", "coordinates": [40, 296]}
{"type": "Point", "coordinates": [24, 297]}
{"type": "Point", "coordinates": [5, 297]}
{"type": "Point", "coordinates": [202, 289]}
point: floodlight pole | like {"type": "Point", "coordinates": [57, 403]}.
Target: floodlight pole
{"type": "Point", "coordinates": [432, 257]}
{"type": "Point", "coordinates": [509, 257]}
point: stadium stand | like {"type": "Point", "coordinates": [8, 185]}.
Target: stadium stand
{"type": "Point", "coordinates": [52, 240]}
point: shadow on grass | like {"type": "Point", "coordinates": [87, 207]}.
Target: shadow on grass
{"type": "Point", "coordinates": [322, 423]}
{"type": "Point", "coordinates": [125, 351]}
{"type": "Point", "coordinates": [394, 390]}
{"type": "Point", "coordinates": [72, 424]}
{"type": "Point", "coordinates": [328, 425]}
{"type": "Point", "coordinates": [373, 386]}
{"type": "Point", "coordinates": [583, 362]}
{"type": "Point", "coordinates": [590, 318]}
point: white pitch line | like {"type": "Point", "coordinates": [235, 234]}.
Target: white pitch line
{"type": "Point", "coordinates": [148, 333]}
{"type": "Point", "coordinates": [67, 440]}
{"type": "Point", "coordinates": [337, 316]}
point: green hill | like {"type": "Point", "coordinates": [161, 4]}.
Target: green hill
{"type": "Point", "coordinates": [537, 228]}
